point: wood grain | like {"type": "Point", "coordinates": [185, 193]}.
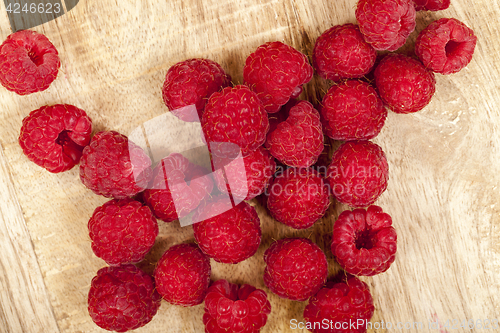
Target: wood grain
{"type": "Point", "coordinates": [25, 305]}
{"type": "Point", "coordinates": [444, 162]}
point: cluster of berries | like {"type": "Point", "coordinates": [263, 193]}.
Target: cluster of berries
{"type": "Point", "coordinates": [271, 129]}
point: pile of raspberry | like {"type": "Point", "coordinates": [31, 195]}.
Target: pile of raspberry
{"type": "Point", "coordinates": [265, 143]}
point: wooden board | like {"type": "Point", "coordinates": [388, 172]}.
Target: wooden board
{"type": "Point", "coordinates": [443, 192]}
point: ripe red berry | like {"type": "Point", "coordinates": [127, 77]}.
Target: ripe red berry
{"type": "Point", "coordinates": [113, 166]}
{"type": "Point", "coordinates": [404, 84]}
{"type": "Point", "coordinates": [233, 118]}
{"type": "Point", "coordinates": [364, 241]}
{"type": "Point", "coordinates": [227, 233]}
{"type": "Point", "coordinates": [433, 5]}
{"type": "Point", "coordinates": [182, 275]}
{"type": "Point", "coordinates": [178, 187]}
{"type": "Point", "coordinates": [352, 110]}
{"type": "Point", "coordinates": [298, 197]}
{"type": "Point", "coordinates": [29, 62]}
{"type": "Point", "coordinates": [233, 308]}
{"type": "Point", "coordinates": [446, 46]}
{"type": "Point", "coordinates": [345, 304]}
{"type": "Point", "coordinates": [296, 268]}
{"type": "Point", "coordinates": [276, 72]}
{"type": "Point", "coordinates": [122, 298]}
{"type": "Point", "coordinates": [53, 137]}
{"type": "Point", "coordinates": [386, 24]}
{"type": "Point", "coordinates": [244, 177]}
{"type": "Point", "coordinates": [298, 141]}
{"type": "Point", "coordinates": [278, 117]}
{"type": "Point", "coordinates": [358, 173]}
{"type": "Point", "coordinates": [341, 52]}
{"type": "Point", "coordinates": [122, 231]}
{"type": "Point", "coordinates": [190, 82]}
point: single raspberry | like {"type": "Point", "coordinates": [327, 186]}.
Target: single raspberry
{"type": "Point", "coordinates": [386, 24]}
{"type": "Point", "coordinates": [345, 304]}
{"type": "Point", "coordinates": [232, 118]}
{"type": "Point", "coordinates": [122, 298]}
{"type": "Point", "coordinates": [244, 177]}
{"type": "Point", "coordinates": [53, 137]}
{"type": "Point", "coordinates": [122, 231]}
{"type": "Point", "coordinates": [298, 141]}
{"type": "Point", "coordinates": [446, 46]}
{"type": "Point", "coordinates": [182, 275]}
{"type": "Point", "coordinates": [177, 188]}
{"type": "Point", "coordinates": [296, 268]}
{"type": "Point", "coordinates": [433, 5]}
{"type": "Point", "coordinates": [358, 173]}
{"type": "Point", "coordinates": [226, 233]}
{"type": "Point", "coordinates": [364, 241]}
{"type": "Point", "coordinates": [341, 52]}
{"type": "Point", "coordinates": [190, 82]}
{"type": "Point", "coordinates": [29, 62]}
{"type": "Point", "coordinates": [276, 72]}
{"type": "Point", "coordinates": [298, 197]}
{"type": "Point", "coordinates": [232, 308]}
{"type": "Point", "coordinates": [404, 84]}
{"type": "Point", "coordinates": [352, 110]}
{"type": "Point", "coordinates": [113, 166]}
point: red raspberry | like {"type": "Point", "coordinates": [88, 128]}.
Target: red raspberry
{"type": "Point", "coordinates": [276, 72]}
{"type": "Point", "coordinates": [53, 137]}
{"type": "Point", "coordinates": [342, 53]}
{"type": "Point", "coordinates": [226, 233]}
{"type": "Point", "coordinates": [122, 298]}
{"type": "Point", "coordinates": [182, 275]}
{"type": "Point", "coordinates": [345, 302]}
{"type": "Point", "coordinates": [404, 84]}
{"type": "Point", "coordinates": [296, 268]}
{"type": "Point", "coordinates": [433, 5]}
{"type": "Point", "coordinates": [231, 308]}
{"type": "Point", "coordinates": [352, 110]}
{"type": "Point", "coordinates": [29, 62]}
{"type": "Point", "coordinates": [386, 23]}
{"type": "Point", "coordinates": [298, 141]}
{"type": "Point", "coordinates": [244, 177]}
{"type": "Point", "coordinates": [445, 46]}
{"type": "Point", "coordinates": [177, 188]}
{"type": "Point", "coordinates": [364, 241]}
{"type": "Point", "coordinates": [113, 166]}
{"type": "Point", "coordinates": [358, 173]}
{"type": "Point", "coordinates": [235, 116]}
{"type": "Point", "coordinates": [298, 197]}
{"type": "Point", "coordinates": [191, 82]}
{"type": "Point", "coordinates": [122, 231]}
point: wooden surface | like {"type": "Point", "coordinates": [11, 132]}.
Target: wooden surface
{"type": "Point", "coordinates": [443, 192]}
